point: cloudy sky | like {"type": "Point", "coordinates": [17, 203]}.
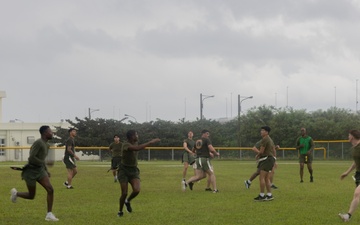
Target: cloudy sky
{"type": "Point", "coordinates": [152, 59]}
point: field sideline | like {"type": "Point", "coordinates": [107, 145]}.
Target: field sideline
{"type": "Point", "coordinates": [161, 201]}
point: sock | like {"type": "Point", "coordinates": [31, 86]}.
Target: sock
{"type": "Point", "coordinates": [249, 181]}
{"type": "Point", "coordinates": [262, 194]}
{"type": "Point", "coordinates": [269, 194]}
{"type": "Point", "coordinates": [126, 201]}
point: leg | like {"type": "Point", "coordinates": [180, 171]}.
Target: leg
{"type": "Point", "coordinates": [355, 202]}
{"type": "Point", "coordinates": [135, 184]}
{"type": "Point", "coordinates": [71, 174]}
{"type": "Point", "coordinates": [124, 192]}
{"type": "Point", "coordinates": [254, 175]}
{"type": "Point", "coordinates": [186, 165]}
{"type": "Point", "coordinates": [263, 181]}
{"type": "Point", "coordinates": [199, 174]}
{"type": "Point", "coordinates": [45, 182]}
{"type": "Point", "coordinates": [212, 178]}
{"type": "Point", "coordinates": [301, 172]}
{"type": "Point", "coordinates": [309, 166]}
{"type": "Point", "coordinates": [30, 194]}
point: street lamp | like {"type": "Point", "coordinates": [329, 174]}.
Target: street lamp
{"type": "Point", "coordinates": [202, 98]}
{"type": "Point", "coordinates": [91, 111]}
{"type": "Point", "coordinates": [239, 111]}
{"type": "Point", "coordinates": [131, 117]}
{"type": "Point", "coordinates": [123, 119]}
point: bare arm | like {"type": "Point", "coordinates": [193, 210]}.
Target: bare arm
{"type": "Point", "coordinates": [312, 147]}
{"type": "Point", "coordinates": [142, 146]}
{"type": "Point", "coordinates": [187, 149]}
{"type": "Point", "coordinates": [212, 150]}
{"type": "Point", "coordinates": [351, 168]}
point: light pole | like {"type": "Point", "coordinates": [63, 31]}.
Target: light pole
{"type": "Point", "coordinates": [123, 119]}
{"type": "Point", "coordinates": [91, 111]}
{"type": "Point", "coordinates": [131, 117]}
{"type": "Point", "coordinates": [239, 112]}
{"type": "Point", "coordinates": [202, 98]}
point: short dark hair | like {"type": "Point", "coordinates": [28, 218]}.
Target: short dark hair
{"type": "Point", "coordinates": [116, 135]}
{"type": "Point", "coordinates": [355, 134]}
{"type": "Point", "coordinates": [43, 129]}
{"type": "Point", "coordinates": [130, 133]}
{"type": "Point", "coordinates": [71, 129]}
{"type": "Point", "coordinates": [204, 131]}
{"type": "Point", "coordinates": [267, 128]}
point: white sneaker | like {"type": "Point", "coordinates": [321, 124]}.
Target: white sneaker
{"type": "Point", "coordinates": [345, 217]}
{"type": "Point", "coordinates": [183, 185]}
{"type": "Point", "coordinates": [51, 217]}
{"type": "Point", "coordinates": [13, 196]}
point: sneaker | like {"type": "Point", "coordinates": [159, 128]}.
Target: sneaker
{"type": "Point", "coordinates": [191, 184]}
{"type": "Point", "coordinates": [216, 191]}
{"type": "Point", "coordinates": [301, 181]}
{"type": "Point", "coordinates": [247, 184]}
{"type": "Point", "coordinates": [273, 186]}
{"type": "Point", "coordinates": [208, 189]}
{"type": "Point", "coordinates": [51, 217]}
{"type": "Point", "coordinates": [70, 187]}
{"type": "Point", "coordinates": [259, 198]}
{"type": "Point", "coordinates": [115, 179]}
{"type": "Point", "coordinates": [13, 196]}
{"type": "Point", "coordinates": [269, 198]}
{"type": "Point", "coordinates": [128, 207]}
{"type": "Point", "coordinates": [65, 183]}
{"type": "Point", "coordinates": [311, 179]}
{"type": "Point", "coordinates": [345, 217]}
{"type": "Point", "coordinates": [183, 185]}
{"type": "Point", "coordinates": [120, 214]}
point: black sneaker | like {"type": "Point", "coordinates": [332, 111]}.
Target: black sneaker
{"type": "Point", "coordinates": [301, 181]}
{"type": "Point", "coordinates": [216, 191]}
{"type": "Point", "coordinates": [247, 184]}
{"type": "Point", "coordinates": [65, 183]}
{"type": "Point", "coordinates": [208, 189]}
{"type": "Point", "coordinates": [311, 179]}
{"type": "Point", "coordinates": [269, 198]}
{"type": "Point", "coordinates": [120, 214]}
{"type": "Point", "coordinates": [273, 186]}
{"type": "Point", "coordinates": [191, 184]}
{"type": "Point", "coordinates": [128, 207]}
{"type": "Point", "coordinates": [259, 198]}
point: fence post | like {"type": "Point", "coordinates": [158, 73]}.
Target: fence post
{"type": "Point", "coordinates": [100, 159]}
{"type": "Point", "coordinates": [172, 154]}
{"type": "Point", "coordinates": [149, 154]}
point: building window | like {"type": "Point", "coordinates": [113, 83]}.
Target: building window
{"type": "Point", "coordinates": [2, 144]}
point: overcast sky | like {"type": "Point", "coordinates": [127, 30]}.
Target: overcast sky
{"type": "Point", "coordinates": [152, 59]}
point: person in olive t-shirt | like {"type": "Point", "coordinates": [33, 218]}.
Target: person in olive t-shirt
{"type": "Point", "coordinates": [36, 171]}
{"type": "Point", "coordinates": [266, 163]}
{"type": "Point", "coordinates": [305, 145]}
{"type": "Point", "coordinates": [115, 149]}
{"type": "Point", "coordinates": [70, 158]}
{"type": "Point", "coordinates": [354, 139]}
{"type": "Point", "coordinates": [128, 171]}
{"type": "Point", "coordinates": [188, 157]}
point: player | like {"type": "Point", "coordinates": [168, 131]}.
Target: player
{"type": "Point", "coordinates": [305, 145]}
{"type": "Point", "coordinates": [188, 157]}
{"type": "Point", "coordinates": [36, 171]}
{"type": "Point", "coordinates": [115, 149]}
{"type": "Point", "coordinates": [70, 158]}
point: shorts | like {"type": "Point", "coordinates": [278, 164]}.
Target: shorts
{"type": "Point", "coordinates": [128, 173]}
{"type": "Point", "coordinates": [357, 178]}
{"type": "Point", "coordinates": [203, 164]}
{"type": "Point", "coordinates": [31, 174]}
{"type": "Point", "coordinates": [305, 158]}
{"type": "Point", "coordinates": [267, 164]}
{"type": "Point", "coordinates": [187, 157]}
{"type": "Point", "coordinates": [115, 162]}
{"type": "Point", "coordinates": [69, 162]}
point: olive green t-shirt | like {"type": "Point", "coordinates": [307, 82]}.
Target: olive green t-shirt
{"type": "Point", "coordinates": [190, 143]}
{"type": "Point", "coordinates": [69, 142]}
{"type": "Point", "coordinates": [129, 157]}
{"type": "Point", "coordinates": [355, 152]}
{"type": "Point", "coordinates": [38, 152]}
{"type": "Point", "coordinates": [268, 143]}
{"type": "Point", "coordinates": [202, 149]}
{"type": "Point", "coordinates": [115, 149]}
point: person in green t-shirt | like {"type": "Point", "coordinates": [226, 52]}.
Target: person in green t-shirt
{"type": "Point", "coordinates": [36, 171]}
{"type": "Point", "coordinates": [128, 171]}
{"type": "Point", "coordinates": [354, 139]}
{"type": "Point", "coordinates": [115, 149]}
{"type": "Point", "coordinates": [305, 145]}
{"type": "Point", "coordinates": [188, 157]}
{"type": "Point", "coordinates": [70, 158]}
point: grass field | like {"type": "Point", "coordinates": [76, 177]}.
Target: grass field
{"type": "Point", "coordinates": [161, 201]}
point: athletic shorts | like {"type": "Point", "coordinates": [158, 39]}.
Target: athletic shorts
{"type": "Point", "coordinates": [115, 162]}
{"type": "Point", "coordinates": [203, 164]}
{"type": "Point", "coordinates": [187, 157]}
{"type": "Point", "coordinates": [357, 178]}
{"type": "Point", "coordinates": [128, 173]}
{"type": "Point", "coordinates": [69, 162]}
{"type": "Point", "coordinates": [305, 158]}
{"type": "Point", "coordinates": [31, 174]}
{"type": "Point", "coordinates": [267, 163]}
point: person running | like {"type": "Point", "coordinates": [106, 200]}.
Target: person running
{"type": "Point", "coordinates": [203, 148]}
{"type": "Point", "coordinates": [188, 157]}
{"type": "Point", "coordinates": [115, 149]}
{"type": "Point", "coordinates": [305, 145]}
{"type": "Point", "coordinates": [354, 139]}
{"type": "Point", "coordinates": [36, 171]}
{"type": "Point", "coordinates": [257, 172]}
{"type": "Point", "coordinates": [70, 158]}
{"type": "Point", "coordinates": [128, 171]}
{"type": "Point", "coordinates": [266, 163]}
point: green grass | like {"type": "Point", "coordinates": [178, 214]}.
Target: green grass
{"type": "Point", "coordinates": [161, 201]}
